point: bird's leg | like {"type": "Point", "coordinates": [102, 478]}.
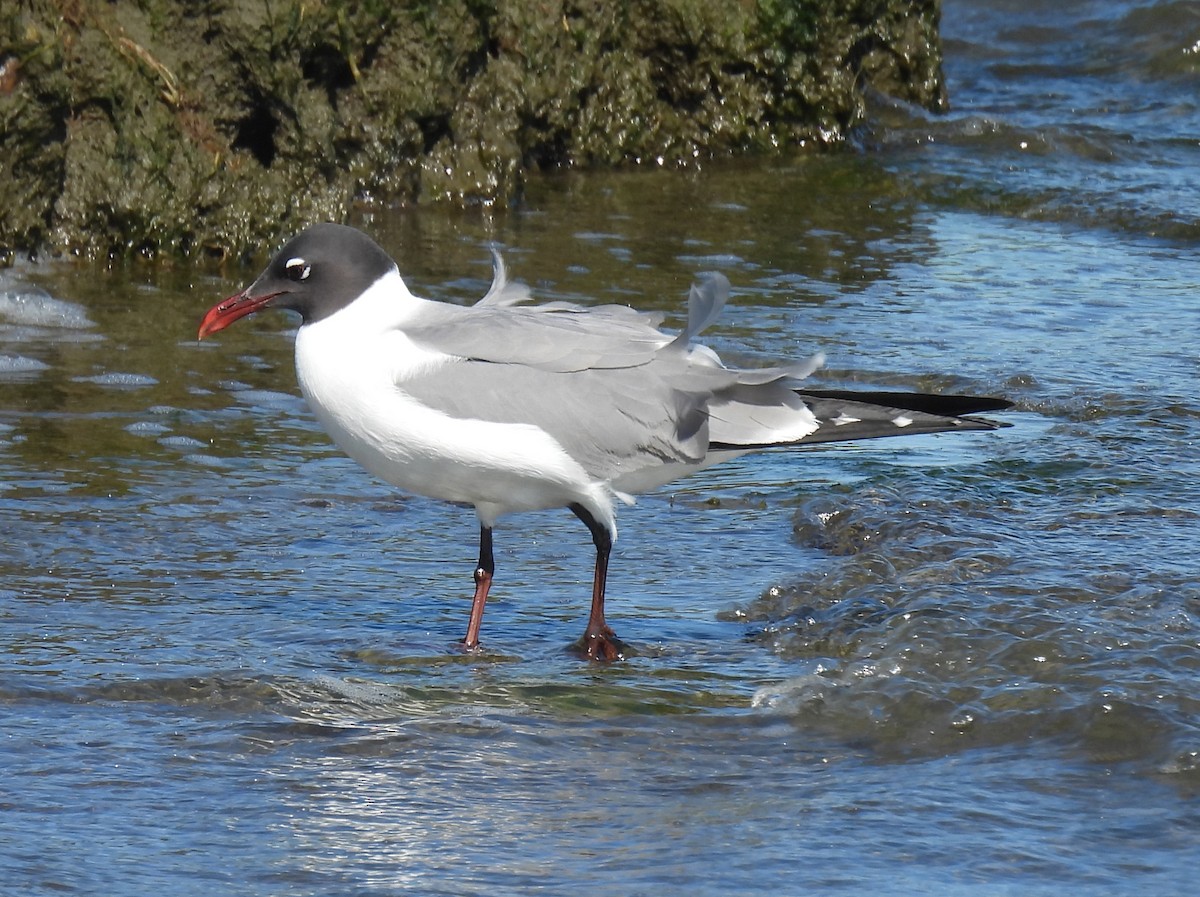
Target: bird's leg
{"type": "Point", "coordinates": [599, 642]}
{"type": "Point", "coordinates": [483, 582]}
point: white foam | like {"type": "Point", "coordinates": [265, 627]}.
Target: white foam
{"type": "Point", "coordinates": [16, 365]}
{"type": "Point", "coordinates": [182, 443]}
{"type": "Point", "coordinates": [34, 307]}
{"type": "Point", "coordinates": [147, 428]}
{"type": "Point", "coordinates": [268, 398]}
{"type": "Point", "coordinates": [119, 380]}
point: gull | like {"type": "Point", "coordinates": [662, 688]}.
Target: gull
{"type": "Point", "coordinates": [509, 407]}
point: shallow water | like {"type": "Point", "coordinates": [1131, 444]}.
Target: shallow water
{"type": "Point", "coordinates": [930, 665]}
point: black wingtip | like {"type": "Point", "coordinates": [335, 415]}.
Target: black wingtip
{"type": "Point", "coordinates": [944, 406]}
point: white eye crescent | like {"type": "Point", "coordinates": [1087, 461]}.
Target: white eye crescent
{"type": "Point", "coordinates": [297, 269]}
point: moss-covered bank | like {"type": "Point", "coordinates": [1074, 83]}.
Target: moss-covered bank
{"type": "Point", "coordinates": [215, 126]}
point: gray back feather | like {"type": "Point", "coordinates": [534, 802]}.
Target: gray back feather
{"type": "Point", "coordinates": [503, 293]}
{"type": "Point", "coordinates": [555, 337]}
{"type": "Point", "coordinates": [706, 300]}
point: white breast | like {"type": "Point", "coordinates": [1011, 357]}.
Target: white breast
{"type": "Point", "coordinates": [352, 366]}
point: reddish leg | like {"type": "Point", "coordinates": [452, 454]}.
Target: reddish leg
{"type": "Point", "coordinates": [599, 642]}
{"type": "Point", "coordinates": [483, 582]}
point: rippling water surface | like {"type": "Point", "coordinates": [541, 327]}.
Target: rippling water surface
{"type": "Point", "coordinates": [946, 665]}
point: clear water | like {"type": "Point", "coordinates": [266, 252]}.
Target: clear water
{"type": "Point", "coordinates": [939, 665]}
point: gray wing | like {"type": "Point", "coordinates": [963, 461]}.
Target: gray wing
{"type": "Point", "coordinates": [618, 394]}
{"type": "Point", "coordinates": [603, 381]}
{"type": "Point", "coordinates": [639, 408]}
{"type": "Point", "coordinates": [612, 421]}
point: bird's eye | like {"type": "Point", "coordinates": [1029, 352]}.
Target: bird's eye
{"type": "Point", "coordinates": [297, 269]}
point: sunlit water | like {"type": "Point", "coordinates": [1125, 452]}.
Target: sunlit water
{"type": "Point", "coordinates": [945, 665]}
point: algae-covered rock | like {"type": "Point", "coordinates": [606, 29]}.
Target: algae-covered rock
{"type": "Point", "coordinates": [216, 126]}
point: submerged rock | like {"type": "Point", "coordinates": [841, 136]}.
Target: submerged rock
{"type": "Point", "coordinates": [145, 127]}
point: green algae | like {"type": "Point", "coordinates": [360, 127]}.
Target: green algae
{"type": "Point", "coordinates": [148, 128]}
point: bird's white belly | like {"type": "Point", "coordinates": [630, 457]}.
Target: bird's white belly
{"type": "Point", "coordinates": [350, 385]}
